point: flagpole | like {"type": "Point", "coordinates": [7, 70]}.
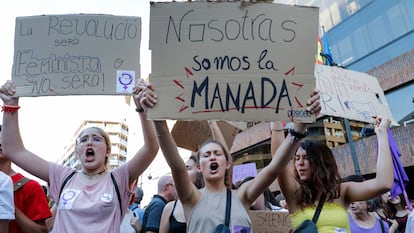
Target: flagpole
{"type": "Point", "coordinates": [326, 53]}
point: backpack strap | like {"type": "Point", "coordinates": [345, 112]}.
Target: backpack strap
{"type": "Point", "coordinates": [20, 183]}
{"type": "Point", "coordinates": [117, 192]}
{"type": "Point", "coordinates": [318, 209]}
{"type": "Point", "coordinates": [65, 182]}
{"type": "Point", "coordinates": [228, 208]}
{"type": "Point", "coordinates": [113, 181]}
{"type": "Point", "coordinates": [382, 225]}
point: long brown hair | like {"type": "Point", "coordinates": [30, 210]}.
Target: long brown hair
{"type": "Point", "coordinates": [325, 178]}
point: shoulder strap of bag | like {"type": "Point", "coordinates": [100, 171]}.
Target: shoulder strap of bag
{"type": "Point", "coordinates": [318, 209]}
{"type": "Point", "coordinates": [20, 183]}
{"type": "Point", "coordinates": [382, 225]}
{"type": "Point", "coordinates": [113, 181]}
{"type": "Point", "coordinates": [117, 192]}
{"type": "Point", "coordinates": [228, 208]}
{"type": "Point", "coordinates": [65, 182]}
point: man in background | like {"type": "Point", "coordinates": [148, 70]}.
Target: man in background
{"type": "Point", "coordinates": [152, 214]}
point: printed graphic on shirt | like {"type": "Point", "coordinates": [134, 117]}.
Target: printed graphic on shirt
{"type": "Point", "coordinates": [241, 229]}
{"type": "Point", "coordinates": [340, 230]}
{"type": "Point", "coordinates": [67, 198]}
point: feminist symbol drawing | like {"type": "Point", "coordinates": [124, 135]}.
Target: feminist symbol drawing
{"type": "Point", "coordinates": [125, 79]}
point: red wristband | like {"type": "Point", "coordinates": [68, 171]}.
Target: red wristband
{"type": "Point", "coordinates": [9, 108]}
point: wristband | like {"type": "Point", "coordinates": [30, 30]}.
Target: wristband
{"type": "Point", "coordinates": [296, 136]}
{"type": "Point", "coordinates": [140, 109]}
{"type": "Point", "coordinates": [9, 108]}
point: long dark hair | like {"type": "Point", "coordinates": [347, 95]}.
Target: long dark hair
{"type": "Point", "coordinates": [325, 178]}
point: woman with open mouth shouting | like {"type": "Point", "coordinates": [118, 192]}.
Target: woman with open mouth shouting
{"type": "Point", "coordinates": [91, 199]}
{"type": "Point", "coordinates": [205, 209]}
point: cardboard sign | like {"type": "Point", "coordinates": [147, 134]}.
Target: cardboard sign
{"type": "Point", "coordinates": [232, 60]}
{"type": "Point", "coordinates": [242, 171]}
{"type": "Point", "coordinates": [76, 54]}
{"type": "Point", "coordinates": [350, 94]}
{"type": "Point", "coordinates": [190, 134]}
{"type": "Point", "coordinates": [270, 222]}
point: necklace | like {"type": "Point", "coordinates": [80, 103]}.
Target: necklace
{"type": "Point", "coordinates": [91, 176]}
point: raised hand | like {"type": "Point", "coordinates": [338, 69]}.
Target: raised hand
{"type": "Point", "coordinates": [7, 92]}
{"type": "Point", "coordinates": [144, 95]}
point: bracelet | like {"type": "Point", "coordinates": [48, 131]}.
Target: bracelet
{"type": "Point", "coordinates": [296, 136]}
{"type": "Point", "coordinates": [9, 108]}
{"type": "Point", "coordinates": [278, 129]}
{"type": "Point", "coordinates": [140, 109]}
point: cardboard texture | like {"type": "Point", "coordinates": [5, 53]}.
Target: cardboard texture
{"type": "Point", "coordinates": [190, 134]}
{"type": "Point", "coordinates": [76, 54]}
{"type": "Point", "coordinates": [232, 60]}
{"type": "Point", "coordinates": [270, 222]}
{"type": "Point", "coordinates": [350, 94]}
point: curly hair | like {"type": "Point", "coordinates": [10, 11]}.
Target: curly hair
{"type": "Point", "coordinates": [325, 178]}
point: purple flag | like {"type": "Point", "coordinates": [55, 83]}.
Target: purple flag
{"type": "Point", "coordinates": [400, 177]}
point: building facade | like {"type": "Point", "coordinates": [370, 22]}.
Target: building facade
{"type": "Point", "coordinates": [371, 36]}
{"type": "Point", "coordinates": [375, 37]}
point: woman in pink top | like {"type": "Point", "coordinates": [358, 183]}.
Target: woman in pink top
{"type": "Point", "coordinates": [88, 200]}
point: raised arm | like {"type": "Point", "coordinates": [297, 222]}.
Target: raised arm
{"type": "Point", "coordinates": [144, 97]}
{"type": "Point", "coordinates": [12, 144]}
{"type": "Point", "coordinates": [385, 170]}
{"type": "Point", "coordinates": [280, 159]}
{"type": "Point", "coordinates": [187, 192]}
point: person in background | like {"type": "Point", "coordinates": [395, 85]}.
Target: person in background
{"type": "Point", "coordinates": [399, 211]}
{"type": "Point", "coordinates": [152, 214]}
{"type": "Point", "coordinates": [87, 199]}
{"type": "Point", "coordinates": [314, 175]}
{"type": "Point", "coordinates": [205, 209]}
{"type": "Point", "coordinates": [265, 201]}
{"type": "Point", "coordinates": [136, 205]}
{"type": "Point", "coordinates": [409, 228]}
{"type": "Point", "coordinates": [130, 222]}
{"type": "Point", "coordinates": [6, 202]}
{"type": "Point", "coordinates": [172, 218]}
{"type": "Point", "coordinates": [31, 205]}
{"type": "Point", "coordinates": [382, 211]}
{"type": "Point", "coordinates": [282, 202]}
{"type": "Point", "coordinates": [362, 220]}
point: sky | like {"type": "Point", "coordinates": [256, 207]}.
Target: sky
{"type": "Point", "coordinates": [48, 123]}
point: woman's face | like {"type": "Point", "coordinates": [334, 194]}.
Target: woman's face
{"type": "Point", "coordinates": [396, 200]}
{"type": "Point", "coordinates": [302, 165]}
{"type": "Point", "coordinates": [213, 162]}
{"type": "Point", "coordinates": [192, 170]}
{"type": "Point", "coordinates": [357, 207]}
{"type": "Point", "coordinates": [92, 149]}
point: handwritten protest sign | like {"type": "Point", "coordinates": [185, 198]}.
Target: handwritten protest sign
{"type": "Point", "coordinates": [242, 171]}
{"type": "Point", "coordinates": [76, 54]}
{"type": "Point", "coordinates": [270, 222]}
{"type": "Point", "coordinates": [350, 94]}
{"type": "Point", "coordinates": [191, 134]}
{"type": "Point", "coordinates": [232, 60]}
